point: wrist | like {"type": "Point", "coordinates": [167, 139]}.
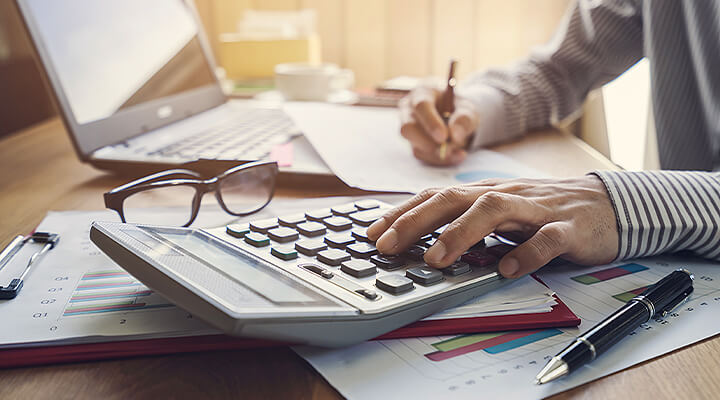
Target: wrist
{"type": "Point", "coordinates": [490, 112]}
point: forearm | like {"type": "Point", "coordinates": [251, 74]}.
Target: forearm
{"type": "Point", "coordinates": [665, 211]}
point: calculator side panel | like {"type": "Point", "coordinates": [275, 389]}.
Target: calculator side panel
{"type": "Point", "coordinates": [154, 279]}
{"type": "Point", "coordinates": [192, 299]}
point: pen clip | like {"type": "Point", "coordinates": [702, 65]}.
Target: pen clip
{"type": "Point", "coordinates": [677, 301]}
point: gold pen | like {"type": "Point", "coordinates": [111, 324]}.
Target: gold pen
{"type": "Point", "coordinates": [446, 106]}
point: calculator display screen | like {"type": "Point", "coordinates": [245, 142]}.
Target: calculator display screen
{"type": "Point", "coordinates": [244, 269]}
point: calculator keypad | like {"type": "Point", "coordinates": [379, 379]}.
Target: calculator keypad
{"type": "Point", "coordinates": [332, 245]}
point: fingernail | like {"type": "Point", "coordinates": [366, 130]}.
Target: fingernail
{"type": "Point", "coordinates": [509, 267]}
{"type": "Point", "coordinates": [436, 253]}
{"type": "Point", "coordinates": [388, 241]}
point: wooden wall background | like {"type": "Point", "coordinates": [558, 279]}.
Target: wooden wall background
{"type": "Point", "coordinates": [379, 39]}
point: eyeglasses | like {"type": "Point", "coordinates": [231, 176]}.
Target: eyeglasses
{"type": "Point", "coordinates": [239, 191]}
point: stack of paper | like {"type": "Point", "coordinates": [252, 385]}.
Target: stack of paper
{"type": "Point", "coordinates": [525, 296]}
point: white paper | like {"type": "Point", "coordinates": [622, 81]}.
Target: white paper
{"type": "Point", "coordinates": [363, 147]}
{"type": "Point", "coordinates": [400, 367]}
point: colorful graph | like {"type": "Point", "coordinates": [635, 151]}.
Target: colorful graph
{"type": "Point", "coordinates": [111, 291]}
{"type": "Point", "coordinates": [627, 296]}
{"type": "Point", "coordinates": [477, 175]}
{"type": "Point", "coordinates": [491, 343]}
{"type": "Point", "coordinates": [609, 273]}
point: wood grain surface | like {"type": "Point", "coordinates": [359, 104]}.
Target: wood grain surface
{"type": "Point", "coordinates": [40, 172]}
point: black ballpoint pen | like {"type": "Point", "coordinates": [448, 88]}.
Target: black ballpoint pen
{"type": "Point", "coordinates": [658, 299]}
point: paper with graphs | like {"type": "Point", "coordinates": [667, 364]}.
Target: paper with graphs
{"type": "Point", "coordinates": [504, 364]}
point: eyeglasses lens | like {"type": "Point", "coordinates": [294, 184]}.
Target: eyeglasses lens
{"type": "Point", "coordinates": [177, 204]}
{"type": "Point", "coordinates": [249, 189]}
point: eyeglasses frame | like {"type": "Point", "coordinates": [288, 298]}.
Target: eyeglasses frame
{"type": "Point", "coordinates": [115, 198]}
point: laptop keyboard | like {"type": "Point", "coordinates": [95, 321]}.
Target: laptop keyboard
{"type": "Point", "coordinates": [248, 136]}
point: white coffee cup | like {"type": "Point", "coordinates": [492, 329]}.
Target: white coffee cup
{"type": "Point", "coordinates": [311, 82]}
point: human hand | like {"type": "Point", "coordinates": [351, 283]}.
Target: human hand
{"type": "Point", "coordinates": [423, 127]}
{"type": "Point", "coordinates": [572, 218]}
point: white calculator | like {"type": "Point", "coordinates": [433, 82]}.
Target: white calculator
{"type": "Point", "coordinates": [312, 277]}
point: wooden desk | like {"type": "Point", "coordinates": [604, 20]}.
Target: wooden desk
{"type": "Point", "coordinates": [39, 172]}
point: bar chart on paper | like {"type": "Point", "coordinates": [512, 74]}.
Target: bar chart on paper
{"type": "Point", "coordinates": [111, 290]}
{"type": "Point", "coordinates": [489, 363]}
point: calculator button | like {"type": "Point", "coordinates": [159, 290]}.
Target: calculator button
{"type": "Point", "coordinates": [479, 245]}
{"type": "Point", "coordinates": [361, 250]}
{"type": "Point", "coordinates": [311, 229]}
{"type": "Point", "coordinates": [283, 234]}
{"type": "Point", "coordinates": [339, 240]}
{"type": "Point", "coordinates": [394, 284]}
{"type": "Point", "coordinates": [257, 239]}
{"type": "Point", "coordinates": [388, 262]}
{"type": "Point", "coordinates": [338, 223]}
{"type": "Point", "coordinates": [457, 268]}
{"type": "Point", "coordinates": [284, 252]}
{"type": "Point", "coordinates": [439, 231]}
{"type": "Point", "coordinates": [415, 252]}
{"type": "Point", "coordinates": [264, 225]}
{"type": "Point", "coordinates": [344, 210]}
{"type": "Point", "coordinates": [368, 293]}
{"type": "Point", "coordinates": [332, 257]}
{"type": "Point", "coordinates": [424, 275]}
{"type": "Point", "coordinates": [424, 241]}
{"type": "Point", "coordinates": [237, 230]}
{"type": "Point", "coordinates": [478, 258]}
{"type": "Point", "coordinates": [310, 247]}
{"type": "Point", "coordinates": [291, 220]}
{"type": "Point", "coordinates": [316, 269]}
{"type": "Point", "coordinates": [360, 234]}
{"type": "Point", "coordinates": [500, 250]}
{"type": "Point", "coordinates": [318, 215]}
{"type": "Point", "coordinates": [368, 204]}
{"type": "Point", "coordinates": [365, 218]}
{"type": "Point", "coordinates": [358, 268]}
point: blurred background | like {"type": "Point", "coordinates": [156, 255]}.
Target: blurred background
{"type": "Point", "coordinates": [376, 39]}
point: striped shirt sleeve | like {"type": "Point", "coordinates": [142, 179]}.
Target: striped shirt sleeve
{"type": "Point", "coordinates": [665, 211]}
{"type": "Point", "coordinates": [596, 42]}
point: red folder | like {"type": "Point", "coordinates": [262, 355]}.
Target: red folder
{"type": "Point", "coordinates": [560, 316]}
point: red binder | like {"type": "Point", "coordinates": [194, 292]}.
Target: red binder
{"type": "Point", "coordinates": [560, 316]}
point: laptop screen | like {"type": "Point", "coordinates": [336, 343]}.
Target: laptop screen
{"type": "Point", "coordinates": [112, 55]}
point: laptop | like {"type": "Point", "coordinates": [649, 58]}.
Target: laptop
{"type": "Point", "coordinates": [135, 85]}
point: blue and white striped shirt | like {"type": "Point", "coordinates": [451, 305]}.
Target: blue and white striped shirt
{"type": "Point", "coordinates": [657, 211]}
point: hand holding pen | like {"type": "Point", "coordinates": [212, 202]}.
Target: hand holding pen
{"type": "Point", "coordinates": [437, 123]}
